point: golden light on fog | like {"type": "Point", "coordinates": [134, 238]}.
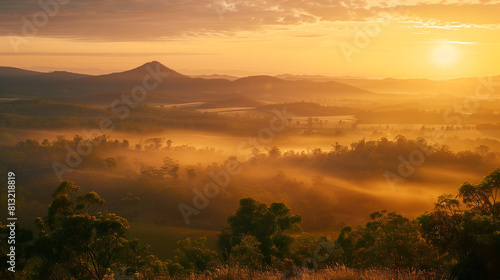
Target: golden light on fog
{"type": "Point", "coordinates": [445, 55]}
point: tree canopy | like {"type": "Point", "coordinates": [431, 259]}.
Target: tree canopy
{"type": "Point", "coordinates": [467, 228]}
{"type": "Point", "coordinates": [269, 225]}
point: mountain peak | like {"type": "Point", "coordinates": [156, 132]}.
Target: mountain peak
{"type": "Point", "coordinates": [140, 72]}
{"type": "Point", "coordinates": [157, 66]}
{"type": "Point", "coordinates": [153, 64]}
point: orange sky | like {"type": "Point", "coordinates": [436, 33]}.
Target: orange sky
{"type": "Point", "coordinates": [432, 39]}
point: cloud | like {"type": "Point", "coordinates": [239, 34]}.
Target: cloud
{"type": "Point", "coordinates": [474, 14]}
{"type": "Point", "coordinates": [149, 20]}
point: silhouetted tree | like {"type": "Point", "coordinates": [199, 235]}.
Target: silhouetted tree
{"type": "Point", "coordinates": [193, 255]}
{"type": "Point", "coordinates": [247, 253]}
{"type": "Point", "coordinates": [269, 225]}
{"type": "Point", "coordinates": [471, 236]}
{"type": "Point", "coordinates": [388, 240]}
{"type": "Point", "coordinates": [73, 241]}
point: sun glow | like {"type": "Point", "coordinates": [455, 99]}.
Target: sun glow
{"type": "Point", "coordinates": [445, 55]}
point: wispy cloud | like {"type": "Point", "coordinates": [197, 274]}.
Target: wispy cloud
{"type": "Point", "coordinates": [149, 20]}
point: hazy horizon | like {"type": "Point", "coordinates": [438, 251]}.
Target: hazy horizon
{"type": "Point", "coordinates": [233, 73]}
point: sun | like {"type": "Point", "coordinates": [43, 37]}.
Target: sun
{"type": "Point", "coordinates": [445, 55]}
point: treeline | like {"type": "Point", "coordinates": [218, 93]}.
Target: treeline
{"type": "Point", "coordinates": [368, 158]}
{"type": "Point", "coordinates": [34, 154]}
{"type": "Point", "coordinates": [102, 153]}
{"type": "Point", "coordinates": [361, 157]}
{"type": "Point", "coordinates": [310, 109]}
{"type": "Point", "coordinates": [428, 117]}
{"type": "Point", "coordinates": [42, 114]}
{"type": "Point", "coordinates": [459, 238]}
{"type": "Point", "coordinates": [383, 115]}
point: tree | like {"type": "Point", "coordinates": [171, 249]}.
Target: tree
{"type": "Point", "coordinates": [131, 202]}
{"type": "Point", "coordinates": [155, 143]}
{"type": "Point", "coordinates": [193, 255]}
{"type": "Point", "coordinates": [388, 240]}
{"type": "Point", "coordinates": [75, 241]}
{"type": "Point", "coordinates": [137, 258]}
{"type": "Point", "coordinates": [274, 152]}
{"type": "Point", "coordinates": [247, 253]}
{"type": "Point", "coordinates": [170, 167]}
{"type": "Point", "coordinates": [191, 172]}
{"type": "Point", "coordinates": [269, 225]}
{"type": "Point", "coordinates": [483, 198]}
{"type": "Point", "coordinates": [469, 231]}
{"type": "Point", "coordinates": [482, 150]}
{"type": "Point", "coordinates": [111, 163]}
{"type": "Point", "coordinates": [314, 252]}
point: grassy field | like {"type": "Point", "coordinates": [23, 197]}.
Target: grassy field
{"type": "Point", "coordinates": [338, 273]}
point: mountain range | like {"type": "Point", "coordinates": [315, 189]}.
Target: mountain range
{"type": "Point", "coordinates": [178, 88]}
{"type": "Point", "coordinates": [175, 88]}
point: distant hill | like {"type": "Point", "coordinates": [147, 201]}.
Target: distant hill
{"type": "Point", "coordinates": [216, 76]}
{"type": "Point", "coordinates": [267, 86]}
{"type": "Point", "coordinates": [233, 101]}
{"type": "Point", "coordinates": [9, 72]}
{"type": "Point", "coordinates": [51, 109]}
{"type": "Point", "coordinates": [61, 76]}
{"type": "Point", "coordinates": [463, 86]}
{"type": "Point", "coordinates": [313, 78]}
{"type": "Point", "coordinates": [311, 109]}
{"type": "Point", "coordinates": [175, 88]}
